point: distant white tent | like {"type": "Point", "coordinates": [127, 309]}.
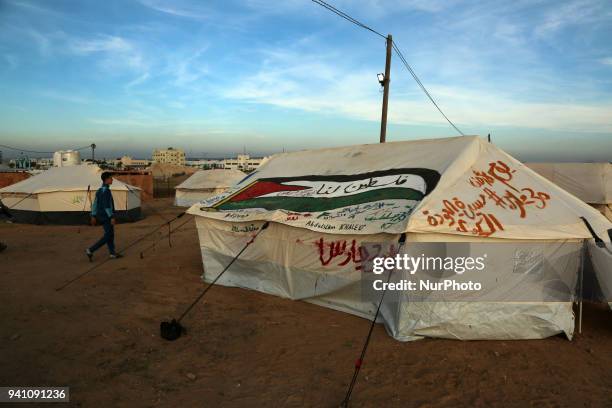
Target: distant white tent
{"type": "Point", "coordinates": [590, 182]}
{"type": "Point", "coordinates": [205, 184]}
{"type": "Point", "coordinates": [325, 206]}
{"type": "Point", "coordinates": [63, 195]}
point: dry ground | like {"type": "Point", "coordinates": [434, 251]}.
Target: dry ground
{"type": "Point", "coordinates": [100, 337]}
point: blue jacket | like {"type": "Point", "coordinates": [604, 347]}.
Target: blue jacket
{"type": "Point", "coordinates": [103, 207]}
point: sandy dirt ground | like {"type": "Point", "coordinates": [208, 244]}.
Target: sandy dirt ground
{"type": "Point", "coordinates": [100, 336]}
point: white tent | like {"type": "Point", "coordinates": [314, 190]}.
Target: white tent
{"type": "Point", "coordinates": [63, 195]}
{"type": "Point", "coordinates": [590, 182]}
{"type": "Point", "coordinates": [327, 207]}
{"type": "Point", "coordinates": [205, 184]}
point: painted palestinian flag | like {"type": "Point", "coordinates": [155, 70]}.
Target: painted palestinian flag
{"type": "Point", "coordinates": [323, 193]}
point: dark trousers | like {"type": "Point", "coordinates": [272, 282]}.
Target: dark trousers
{"type": "Point", "coordinates": [108, 238]}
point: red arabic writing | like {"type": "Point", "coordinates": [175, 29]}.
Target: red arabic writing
{"type": "Point", "coordinates": [470, 217]}
{"type": "Point", "coordinates": [342, 252]}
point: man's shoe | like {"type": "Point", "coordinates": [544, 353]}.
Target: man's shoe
{"type": "Point", "coordinates": [89, 254]}
{"type": "Point", "coordinates": [2, 246]}
{"type": "Point", "coordinates": [115, 256]}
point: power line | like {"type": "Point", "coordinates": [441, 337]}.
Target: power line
{"type": "Point", "coordinates": [38, 152]}
{"type": "Point", "coordinates": [346, 17]}
{"type": "Point", "coordinates": [418, 81]}
{"type": "Point", "coordinates": [397, 51]}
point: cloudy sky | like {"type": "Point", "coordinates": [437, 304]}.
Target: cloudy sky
{"type": "Point", "coordinates": [217, 77]}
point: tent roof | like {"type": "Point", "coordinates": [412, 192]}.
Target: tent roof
{"type": "Point", "coordinates": [69, 178]}
{"type": "Point", "coordinates": [459, 185]}
{"type": "Point", "coordinates": [590, 182]}
{"type": "Point", "coordinates": [205, 179]}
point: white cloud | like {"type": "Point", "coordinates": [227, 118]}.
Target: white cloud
{"type": "Point", "coordinates": [317, 83]}
{"type": "Point", "coordinates": [176, 105]}
{"type": "Point", "coordinates": [65, 97]}
{"type": "Point", "coordinates": [178, 8]}
{"type": "Point", "coordinates": [577, 12]}
{"type": "Point", "coordinates": [138, 80]}
{"type": "Point", "coordinates": [117, 52]}
{"type": "Point", "coordinates": [11, 61]}
{"type": "Point", "coordinates": [123, 122]}
{"type": "Point", "coordinates": [606, 61]}
{"type": "Point", "coordinates": [104, 43]}
{"type": "Point", "coordinates": [187, 69]}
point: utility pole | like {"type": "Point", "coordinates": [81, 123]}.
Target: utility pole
{"type": "Point", "coordinates": [387, 79]}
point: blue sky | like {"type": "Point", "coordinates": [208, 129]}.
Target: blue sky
{"type": "Point", "coordinates": [214, 77]}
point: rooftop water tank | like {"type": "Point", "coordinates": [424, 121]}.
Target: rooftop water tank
{"type": "Point", "coordinates": [65, 158]}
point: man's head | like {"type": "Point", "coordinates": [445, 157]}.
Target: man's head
{"type": "Point", "coordinates": [107, 178]}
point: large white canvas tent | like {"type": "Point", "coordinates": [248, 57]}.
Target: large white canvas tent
{"type": "Point", "coordinates": [205, 184]}
{"type": "Point", "coordinates": [326, 206]}
{"type": "Point", "coordinates": [590, 182]}
{"type": "Point", "coordinates": [63, 195]}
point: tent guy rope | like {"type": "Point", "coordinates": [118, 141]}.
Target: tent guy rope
{"type": "Point", "coordinates": [76, 278]}
{"type": "Point", "coordinates": [359, 361]}
{"type": "Point", "coordinates": [173, 329]}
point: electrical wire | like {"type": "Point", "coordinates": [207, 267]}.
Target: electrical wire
{"type": "Point", "coordinates": [418, 81]}
{"type": "Point", "coordinates": [39, 152]}
{"type": "Point", "coordinates": [397, 51]}
{"type": "Point", "coordinates": [346, 17]}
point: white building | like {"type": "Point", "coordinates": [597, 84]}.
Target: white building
{"type": "Point", "coordinates": [206, 164]}
{"type": "Point", "coordinates": [129, 162]}
{"type": "Point", "coordinates": [243, 162]}
{"type": "Point", "coordinates": [169, 155]}
{"type": "Point", "coordinates": [44, 163]}
{"type": "Point", "coordinates": [65, 158]}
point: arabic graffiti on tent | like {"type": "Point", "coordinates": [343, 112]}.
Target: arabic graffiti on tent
{"type": "Point", "coordinates": [473, 217]}
{"type": "Point", "coordinates": [342, 252]}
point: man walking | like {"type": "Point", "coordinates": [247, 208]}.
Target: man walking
{"type": "Point", "coordinates": [103, 212]}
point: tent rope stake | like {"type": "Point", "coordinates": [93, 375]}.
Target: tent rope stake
{"type": "Point", "coordinates": [359, 361]}
{"type": "Point", "coordinates": [150, 207]}
{"type": "Point", "coordinates": [173, 329]}
{"type": "Point", "coordinates": [85, 204]}
{"type": "Point", "coordinates": [19, 202]}
{"type": "Point", "coordinates": [76, 278]}
{"type": "Point", "coordinates": [598, 241]}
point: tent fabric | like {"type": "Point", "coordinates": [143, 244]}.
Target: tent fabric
{"type": "Point", "coordinates": [601, 258]}
{"type": "Point", "coordinates": [70, 178]}
{"type": "Point", "coordinates": [63, 195]}
{"type": "Point", "coordinates": [457, 185]}
{"type": "Point", "coordinates": [605, 209]}
{"type": "Point", "coordinates": [590, 182]}
{"type": "Point", "coordinates": [326, 205]}
{"type": "Point", "coordinates": [204, 184]}
{"type": "Point", "coordinates": [326, 269]}
{"type": "Point", "coordinates": [69, 217]}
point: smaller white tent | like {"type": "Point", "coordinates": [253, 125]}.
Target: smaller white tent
{"type": "Point", "coordinates": [205, 184]}
{"type": "Point", "coordinates": [590, 182]}
{"type": "Point", "coordinates": [63, 195]}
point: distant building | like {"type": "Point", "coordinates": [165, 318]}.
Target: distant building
{"type": "Point", "coordinates": [169, 156]}
{"type": "Point", "coordinates": [43, 163]}
{"type": "Point", "coordinates": [243, 162]}
{"type": "Point", "coordinates": [65, 158]}
{"type": "Point", "coordinates": [206, 164]}
{"type": "Point", "coordinates": [129, 163]}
